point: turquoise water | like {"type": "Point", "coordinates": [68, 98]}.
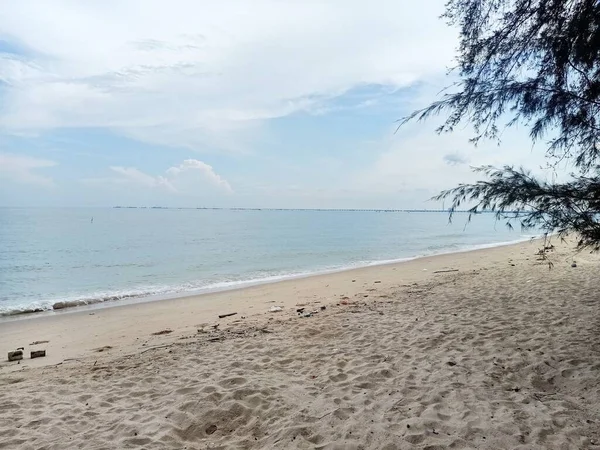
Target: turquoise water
{"type": "Point", "coordinates": [60, 255]}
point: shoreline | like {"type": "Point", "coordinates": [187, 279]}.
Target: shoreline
{"type": "Point", "coordinates": [76, 332]}
{"type": "Point", "coordinates": [111, 301]}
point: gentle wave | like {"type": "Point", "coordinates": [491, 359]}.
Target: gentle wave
{"type": "Point", "coordinates": [91, 299]}
{"type": "Point", "coordinates": [191, 288]}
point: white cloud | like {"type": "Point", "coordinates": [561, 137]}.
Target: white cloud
{"type": "Point", "coordinates": [206, 74]}
{"type": "Point", "coordinates": [192, 177]}
{"type": "Point", "coordinates": [23, 169]}
{"type": "Point", "coordinates": [199, 169]}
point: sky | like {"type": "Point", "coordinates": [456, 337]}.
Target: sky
{"type": "Point", "coordinates": [194, 103]}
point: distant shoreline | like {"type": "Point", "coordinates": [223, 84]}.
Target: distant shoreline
{"type": "Point", "coordinates": [445, 211]}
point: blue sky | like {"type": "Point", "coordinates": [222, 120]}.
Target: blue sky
{"type": "Point", "coordinates": [252, 104]}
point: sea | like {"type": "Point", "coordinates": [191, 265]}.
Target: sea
{"type": "Point", "coordinates": [55, 258]}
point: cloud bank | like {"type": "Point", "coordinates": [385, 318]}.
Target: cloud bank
{"type": "Point", "coordinates": [200, 74]}
{"type": "Point", "coordinates": [192, 177]}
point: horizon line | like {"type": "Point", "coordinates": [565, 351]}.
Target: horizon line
{"type": "Point", "coordinates": [216, 208]}
{"type": "Point", "coordinates": [305, 209]}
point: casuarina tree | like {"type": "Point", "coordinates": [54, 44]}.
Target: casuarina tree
{"type": "Point", "coordinates": [536, 63]}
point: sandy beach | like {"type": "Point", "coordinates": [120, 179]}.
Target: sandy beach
{"type": "Point", "coordinates": [486, 349]}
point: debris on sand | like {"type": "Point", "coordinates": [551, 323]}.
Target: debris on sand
{"type": "Point", "coordinates": [221, 316]}
{"type": "Point", "coordinates": [161, 332]}
{"type": "Point", "coordinates": [16, 355]}
{"type": "Point", "coordinates": [103, 349]}
{"type": "Point", "coordinates": [38, 354]}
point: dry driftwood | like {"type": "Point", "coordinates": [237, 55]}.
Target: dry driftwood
{"type": "Point", "coordinates": [161, 332]}
{"type": "Point", "coordinates": [227, 315]}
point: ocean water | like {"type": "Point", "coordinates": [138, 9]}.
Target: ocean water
{"type": "Point", "coordinates": [60, 257]}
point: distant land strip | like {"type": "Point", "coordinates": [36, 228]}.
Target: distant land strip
{"type": "Point", "coordinates": [319, 209]}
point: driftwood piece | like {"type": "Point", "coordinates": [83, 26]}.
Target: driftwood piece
{"type": "Point", "coordinates": [221, 316]}
{"type": "Point", "coordinates": [38, 354]}
{"type": "Point", "coordinates": [445, 271]}
{"type": "Point", "coordinates": [161, 332]}
{"type": "Point", "coordinates": [154, 348]}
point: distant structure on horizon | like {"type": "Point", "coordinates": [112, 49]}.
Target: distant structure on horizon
{"type": "Point", "coordinates": [465, 211]}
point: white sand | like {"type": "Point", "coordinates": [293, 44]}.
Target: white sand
{"type": "Point", "coordinates": [492, 356]}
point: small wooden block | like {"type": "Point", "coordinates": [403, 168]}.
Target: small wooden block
{"type": "Point", "coordinates": [38, 354]}
{"type": "Point", "coordinates": [16, 355]}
